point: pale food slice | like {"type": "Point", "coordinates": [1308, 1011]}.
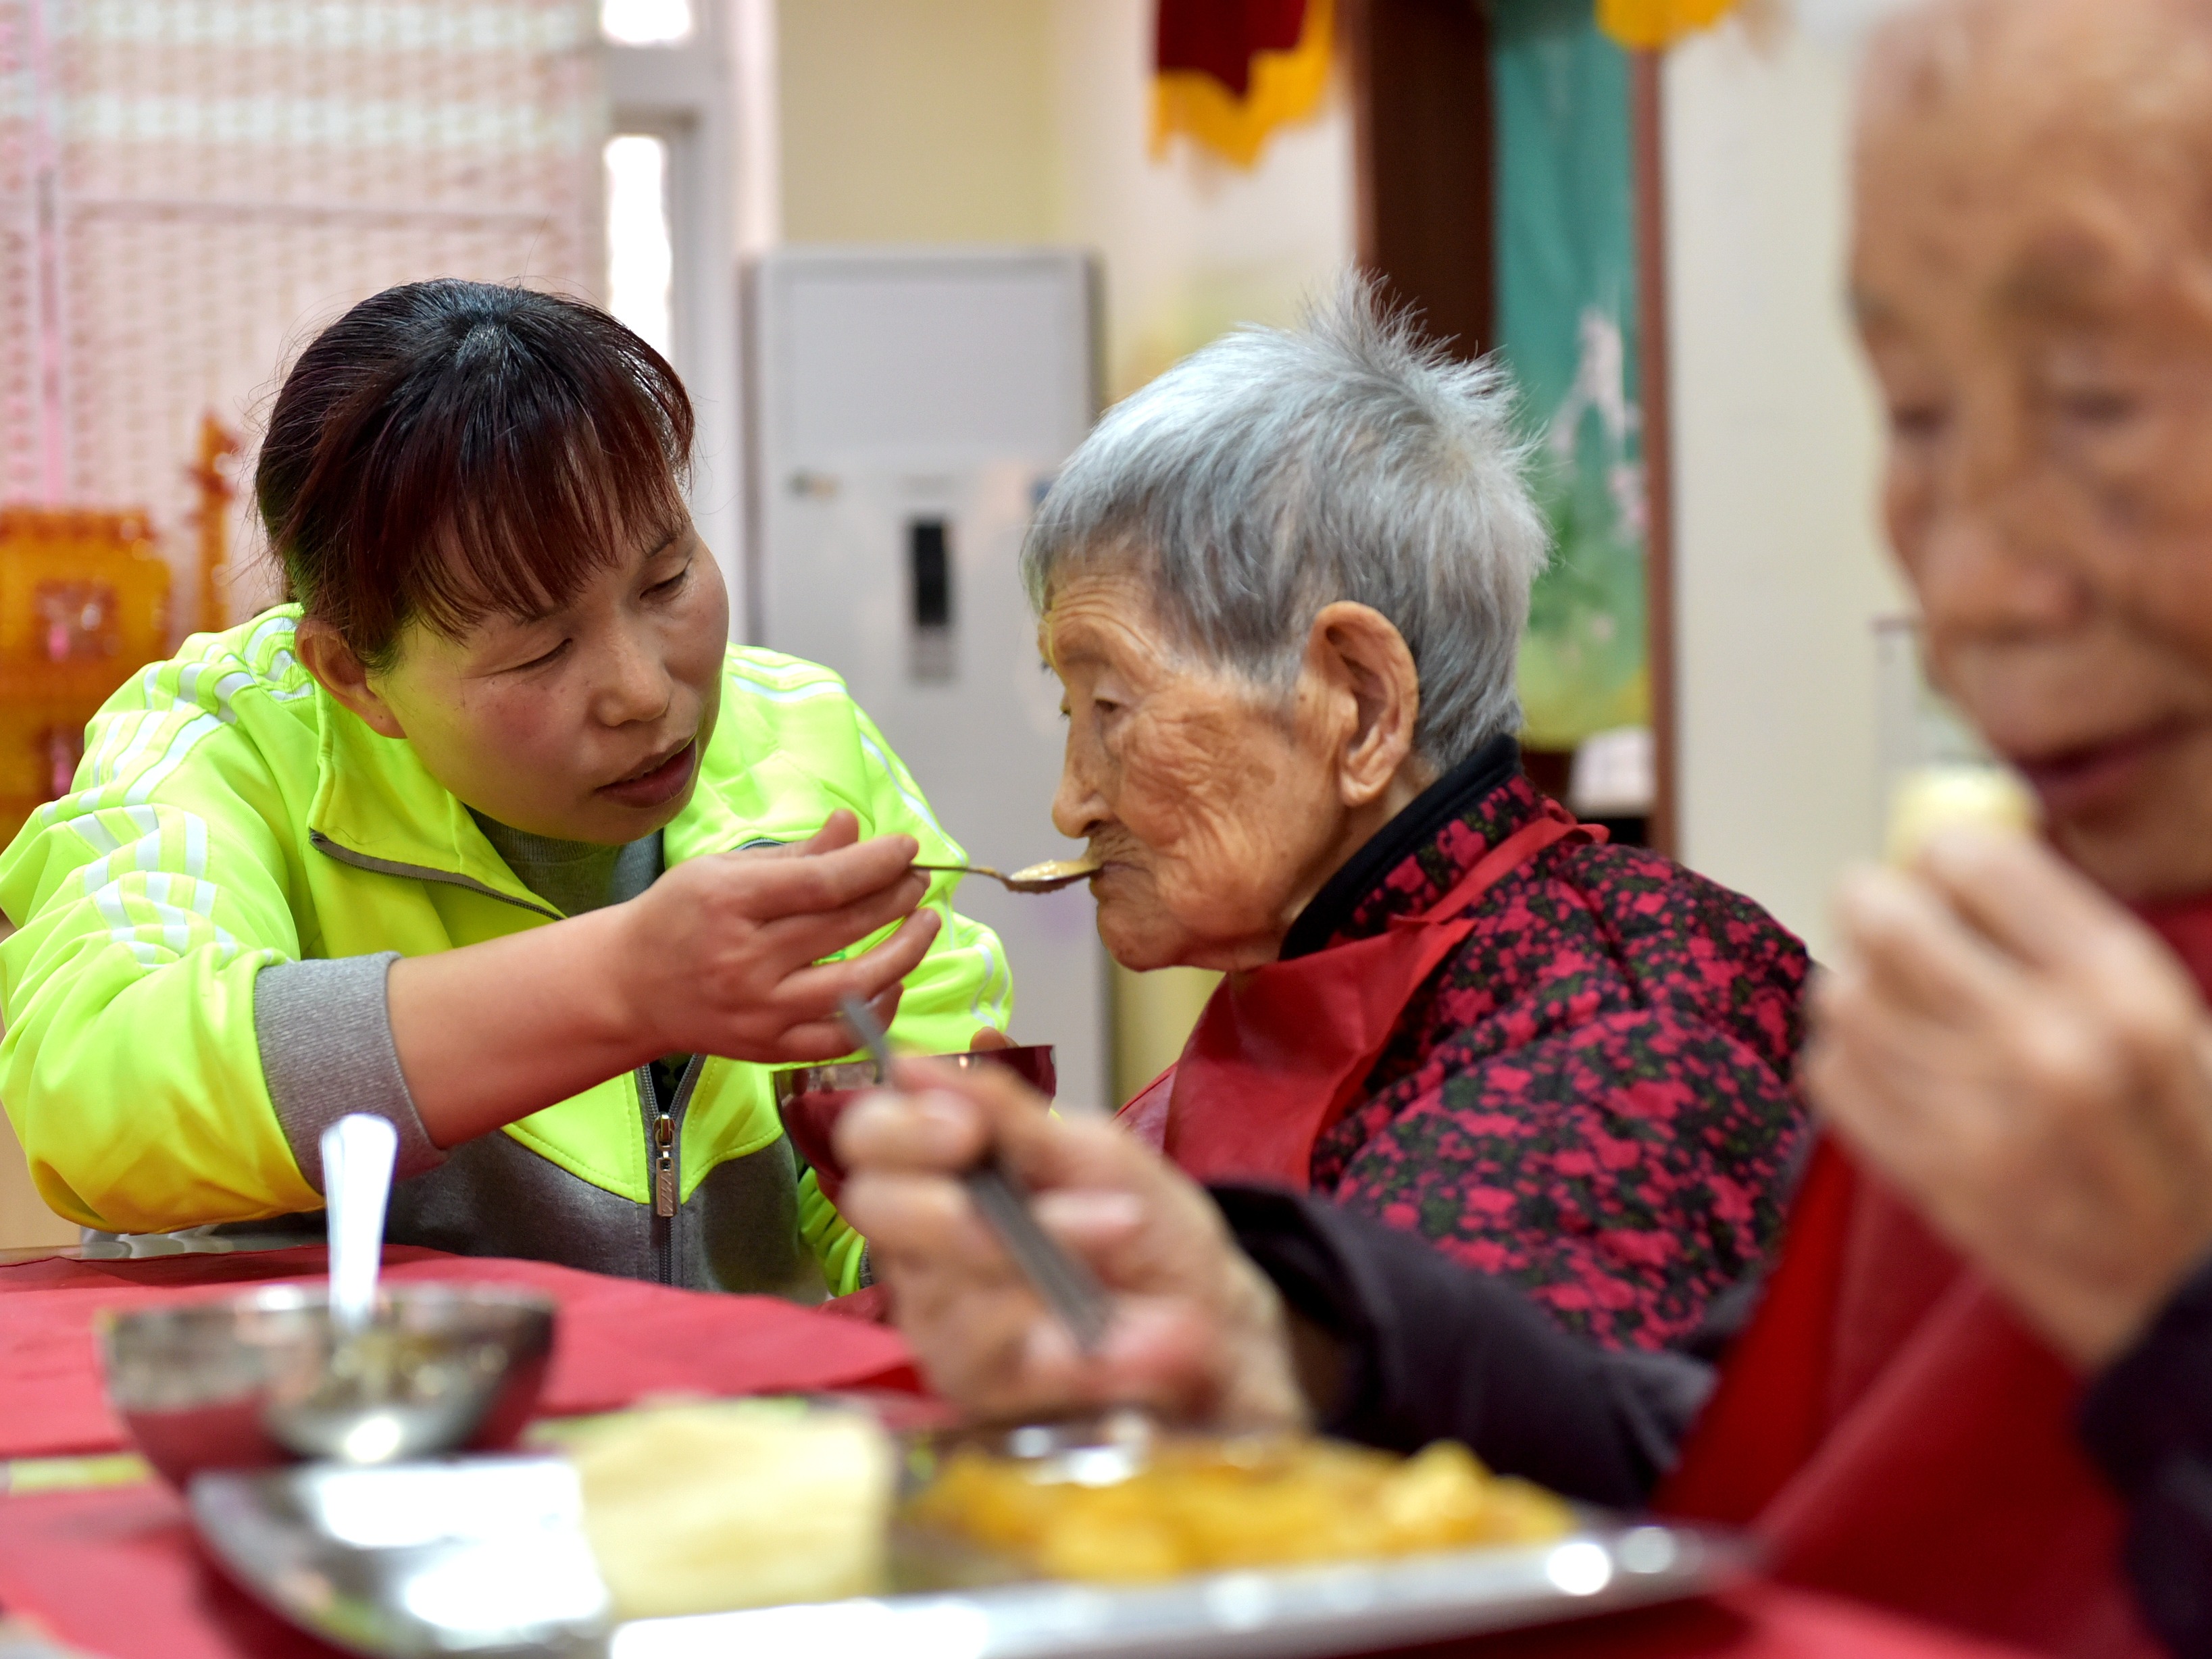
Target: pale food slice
{"type": "Point", "coordinates": [698, 1507]}
{"type": "Point", "coordinates": [1929, 798]}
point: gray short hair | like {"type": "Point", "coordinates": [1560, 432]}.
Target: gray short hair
{"type": "Point", "coordinates": [1276, 472]}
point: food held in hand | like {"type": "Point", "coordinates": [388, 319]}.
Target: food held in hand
{"type": "Point", "coordinates": [1212, 1505]}
{"type": "Point", "coordinates": [1933, 798]}
{"type": "Point", "coordinates": [696, 1508]}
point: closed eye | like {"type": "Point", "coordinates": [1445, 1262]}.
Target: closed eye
{"type": "Point", "coordinates": [541, 661]}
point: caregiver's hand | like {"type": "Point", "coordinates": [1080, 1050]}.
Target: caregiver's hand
{"type": "Point", "coordinates": [1198, 1332]}
{"type": "Point", "coordinates": [723, 952]}
{"type": "Point", "coordinates": [720, 956]}
{"type": "Point", "coordinates": [2028, 1066]}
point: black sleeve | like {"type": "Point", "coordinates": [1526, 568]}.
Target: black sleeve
{"type": "Point", "coordinates": [1435, 1351]}
{"type": "Point", "coordinates": [2148, 1422]}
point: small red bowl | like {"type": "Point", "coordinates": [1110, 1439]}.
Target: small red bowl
{"type": "Point", "coordinates": [811, 1099]}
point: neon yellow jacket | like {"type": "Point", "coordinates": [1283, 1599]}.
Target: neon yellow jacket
{"type": "Point", "coordinates": [229, 814]}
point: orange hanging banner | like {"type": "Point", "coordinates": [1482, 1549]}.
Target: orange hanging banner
{"type": "Point", "coordinates": [1653, 25]}
{"type": "Point", "coordinates": [216, 492]}
{"type": "Point", "coordinates": [1227, 73]}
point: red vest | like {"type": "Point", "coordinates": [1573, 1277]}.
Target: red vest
{"type": "Point", "coordinates": [1281, 1050]}
{"type": "Point", "coordinates": [1897, 1433]}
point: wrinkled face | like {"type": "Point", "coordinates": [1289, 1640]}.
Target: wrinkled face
{"type": "Point", "coordinates": [1214, 806]}
{"type": "Point", "coordinates": [586, 724]}
{"type": "Point", "coordinates": [2037, 303]}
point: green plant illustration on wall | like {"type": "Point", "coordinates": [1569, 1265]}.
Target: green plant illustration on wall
{"type": "Point", "coordinates": [1566, 326]}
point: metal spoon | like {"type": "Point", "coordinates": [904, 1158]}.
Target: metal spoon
{"type": "Point", "coordinates": [358, 1151]}
{"type": "Point", "coordinates": [1062, 1281]}
{"type": "Point", "coordinates": [385, 1391]}
{"type": "Point", "coordinates": [1048, 876]}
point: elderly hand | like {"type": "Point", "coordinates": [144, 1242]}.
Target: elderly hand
{"type": "Point", "coordinates": [2029, 1067]}
{"type": "Point", "coordinates": [1198, 1333]}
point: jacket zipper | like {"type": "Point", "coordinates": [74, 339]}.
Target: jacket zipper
{"type": "Point", "coordinates": [323, 844]}
{"type": "Point", "coordinates": [664, 1128]}
{"type": "Point", "coordinates": [663, 1155]}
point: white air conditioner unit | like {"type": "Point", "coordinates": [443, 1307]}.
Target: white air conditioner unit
{"type": "Point", "coordinates": [909, 407]}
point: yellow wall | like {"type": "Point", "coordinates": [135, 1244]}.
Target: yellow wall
{"type": "Point", "coordinates": [1780, 565]}
{"type": "Point", "coordinates": [1192, 243]}
{"type": "Point", "coordinates": [1030, 120]}
{"type": "Point", "coordinates": [908, 121]}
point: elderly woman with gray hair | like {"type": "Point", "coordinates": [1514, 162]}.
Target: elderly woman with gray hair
{"type": "Point", "coordinates": [1986, 1358]}
{"type": "Point", "coordinates": [1284, 587]}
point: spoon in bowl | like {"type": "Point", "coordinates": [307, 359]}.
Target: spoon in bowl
{"type": "Point", "coordinates": [1048, 876]}
{"type": "Point", "coordinates": [383, 1392]}
{"type": "Point", "coordinates": [358, 1152]}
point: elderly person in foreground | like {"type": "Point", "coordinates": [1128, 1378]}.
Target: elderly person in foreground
{"type": "Point", "coordinates": [1284, 587]}
{"type": "Point", "coordinates": [2002, 1258]}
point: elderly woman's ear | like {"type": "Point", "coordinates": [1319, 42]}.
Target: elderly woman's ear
{"type": "Point", "coordinates": [1360, 679]}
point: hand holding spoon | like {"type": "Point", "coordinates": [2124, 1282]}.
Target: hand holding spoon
{"type": "Point", "coordinates": [1048, 876]}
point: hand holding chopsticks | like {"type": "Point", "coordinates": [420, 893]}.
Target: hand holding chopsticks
{"type": "Point", "coordinates": [1196, 1333]}
{"type": "Point", "coordinates": [1069, 1288]}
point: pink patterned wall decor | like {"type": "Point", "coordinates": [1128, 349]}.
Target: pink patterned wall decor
{"type": "Point", "coordinates": [189, 188]}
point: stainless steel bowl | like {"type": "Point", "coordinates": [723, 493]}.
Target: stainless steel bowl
{"type": "Point", "coordinates": [263, 1379]}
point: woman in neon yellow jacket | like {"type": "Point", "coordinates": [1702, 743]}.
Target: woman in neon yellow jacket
{"type": "Point", "coordinates": [491, 834]}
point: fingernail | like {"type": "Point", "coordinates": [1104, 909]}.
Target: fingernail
{"type": "Point", "coordinates": [1954, 850]}
{"type": "Point", "coordinates": [867, 1104]}
{"type": "Point", "coordinates": [1049, 1346]}
{"type": "Point", "coordinates": [1878, 891]}
{"type": "Point", "coordinates": [1090, 1210]}
{"type": "Point", "coordinates": [945, 1108]}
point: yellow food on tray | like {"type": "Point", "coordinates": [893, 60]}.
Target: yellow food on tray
{"type": "Point", "coordinates": [1205, 1506]}
{"type": "Point", "coordinates": [1933, 798]}
{"type": "Point", "coordinates": [697, 1508]}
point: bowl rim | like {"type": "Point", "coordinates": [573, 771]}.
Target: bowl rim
{"type": "Point", "coordinates": [302, 1296]}
{"type": "Point", "coordinates": [849, 1076]}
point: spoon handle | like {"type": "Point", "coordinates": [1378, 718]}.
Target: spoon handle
{"type": "Point", "coordinates": [358, 1152]}
{"type": "Point", "coordinates": [1062, 1280]}
{"type": "Point", "coordinates": [1020, 881]}
{"type": "Point", "coordinates": [870, 1030]}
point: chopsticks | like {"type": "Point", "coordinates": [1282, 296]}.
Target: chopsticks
{"type": "Point", "coordinates": [1066, 1284]}
{"type": "Point", "coordinates": [1062, 1281]}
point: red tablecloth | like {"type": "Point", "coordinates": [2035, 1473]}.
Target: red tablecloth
{"type": "Point", "coordinates": [116, 1571]}
{"type": "Point", "coordinates": [118, 1574]}
{"type": "Point", "coordinates": [617, 1339]}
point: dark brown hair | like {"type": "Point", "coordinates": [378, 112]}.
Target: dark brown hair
{"type": "Point", "coordinates": [452, 450]}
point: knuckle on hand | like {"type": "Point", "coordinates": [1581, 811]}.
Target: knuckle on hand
{"type": "Point", "coordinates": [2061, 1049]}
{"type": "Point", "coordinates": [2155, 1029]}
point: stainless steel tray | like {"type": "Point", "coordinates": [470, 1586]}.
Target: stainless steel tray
{"type": "Point", "coordinates": [484, 1556]}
